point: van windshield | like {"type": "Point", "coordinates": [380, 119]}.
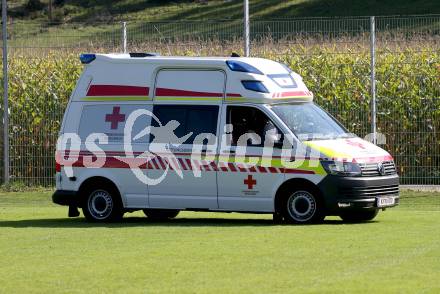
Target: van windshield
{"type": "Point", "coordinates": [310, 122]}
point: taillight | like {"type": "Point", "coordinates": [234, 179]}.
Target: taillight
{"type": "Point", "coordinates": [57, 167]}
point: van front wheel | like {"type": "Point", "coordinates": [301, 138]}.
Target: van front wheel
{"type": "Point", "coordinates": [102, 205]}
{"type": "Point", "coordinates": [303, 207]}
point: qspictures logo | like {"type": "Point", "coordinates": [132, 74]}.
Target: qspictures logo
{"type": "Point", "coordinates": [166, 152]}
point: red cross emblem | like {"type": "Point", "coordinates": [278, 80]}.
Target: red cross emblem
{"type": "Point", "coordinates": [115, 118]}
{"type": "Point", "coordinates": [356, 144]}
{"type": "Point", "coordinates": [250, 182]}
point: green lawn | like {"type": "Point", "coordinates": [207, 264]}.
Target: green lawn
{"type": "Point", "coordinates": [42, 250]}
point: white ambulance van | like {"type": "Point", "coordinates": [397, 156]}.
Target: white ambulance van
{"type": "Point", "coordinates": [231, 134]}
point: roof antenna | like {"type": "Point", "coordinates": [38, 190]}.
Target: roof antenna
{"type": "Point", "coordinates": [234, 54]}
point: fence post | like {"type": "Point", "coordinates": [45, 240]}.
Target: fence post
{"type": "Point", "coordinates": [124, 36]}
{"type": "Point", "coordinates": [5, 94]}
{"type": "Point", "coordinates": [373, 77]}
{"type": "Point", "coordinates": [246, 28]}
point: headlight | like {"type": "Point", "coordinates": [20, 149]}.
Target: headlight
{"type": "Point", "coordinates": [342, 168]}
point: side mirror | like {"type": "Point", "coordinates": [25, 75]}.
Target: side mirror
{"type": "Point", "coordinates": [276, 138]}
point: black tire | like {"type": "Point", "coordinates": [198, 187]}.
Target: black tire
{"type": "Point", "coordinates": [161, 214]}
{"type": "Point", "coordinates": [359, 216]}
{"type": "Point", "coordinates": [102, 204]}
{"type": "Point", "coordinates": [303, 206]}
{"type": "Point", "coordinates": [277, 218]}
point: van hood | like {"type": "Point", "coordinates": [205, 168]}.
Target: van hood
{"type": "Point", "coordinates": [353, 149]}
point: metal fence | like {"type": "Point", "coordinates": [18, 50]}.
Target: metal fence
{"type": "Point", "coordinates": [332, 54]}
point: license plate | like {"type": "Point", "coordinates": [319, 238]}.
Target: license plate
{"type": "Point", "coordinates": [385, 201]}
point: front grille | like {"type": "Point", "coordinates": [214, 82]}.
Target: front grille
{"type": "Point", "coordinates": [372, 169]}
{"type": "Point", "coordinates": [369, 191]}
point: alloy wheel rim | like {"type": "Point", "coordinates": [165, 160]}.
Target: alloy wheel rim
{"type": "Point", "coordinates": [301, 206]}
{"type": "Point", "coordinates": [100, 204]}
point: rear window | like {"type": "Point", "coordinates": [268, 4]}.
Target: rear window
{"type": "Point", "coordinates": [196, 119]}
{"type": "Point", "coordinates": [110, 119]}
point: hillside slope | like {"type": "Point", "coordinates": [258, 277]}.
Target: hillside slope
{"type": "Point", "coordinates": [97, 23]}
{"type": "Point", "coordinates": [157, 10]}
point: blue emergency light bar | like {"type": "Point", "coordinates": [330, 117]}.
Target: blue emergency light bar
{"type": "Point", "coordinates": [235, 65]}
{"type": "Point", "coordinates": [87, 58]}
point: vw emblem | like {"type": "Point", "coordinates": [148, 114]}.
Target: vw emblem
{"type": "Point", "coordinates": [381, 168]}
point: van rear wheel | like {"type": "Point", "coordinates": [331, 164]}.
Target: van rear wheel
{"type": "Point", "coordinates": [102, 205]}
{"type": "Point", "coordinates": [303, 206]}
{"type": "Point", "coordinates": [161, 214]}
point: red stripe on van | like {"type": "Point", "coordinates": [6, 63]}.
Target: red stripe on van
{"type": "Point", "coordinates": [206, 165]}
{"type": "Point", "coordinates": [233, 95]}
{"type": "Point", "coordinates": [159, 159]}
{"type": "Point", "coordinates": [188, 162]}
{"type": "Point", "coordinates": [160, 163]}
{"type": "Point", "coordinates": [184, 93]}
{"type": "Point", "coordinates": [155, 163]}
{"type": "Point", "coordinates": [214, 166]}
{"type": "Point", "coordinates": [294, 93]}
{"type": "Point", "coordinates": [261, 169]}
{"type": "Point", "coordinates": [232, 167]}
{"type": "Point", "coordinates": [222, 166]}
{"type": "Point", "coordinates": [242, 167]}
{"type": "Point", "coordinates": [117, 90]}
{"type": "Point", "coordinates": [182, 163]}
{"type": "Point", "coordinates": [297, 171]}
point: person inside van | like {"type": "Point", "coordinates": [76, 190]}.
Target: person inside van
{"type": "Point", "coordinates": [253, 122]}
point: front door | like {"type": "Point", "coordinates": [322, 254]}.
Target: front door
{"type": "Point", "coordinates": [247, 177]}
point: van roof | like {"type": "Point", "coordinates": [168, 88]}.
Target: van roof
{"type": "Point", "coordinates": [267, 81]}
{"type": "Point", "coordinates": [127, 56]}
{"type": "Point", "coordinates": [265, 65]}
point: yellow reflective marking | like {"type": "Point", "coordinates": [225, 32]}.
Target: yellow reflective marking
{"type": "Point", "coordinates": [243, 99]}
{"type": "Point", "coordinates": [302, 164]}
{"type": "Point", "coordinates": [266, 100]}
{"type": "Point", "coordinates": [329, 152]}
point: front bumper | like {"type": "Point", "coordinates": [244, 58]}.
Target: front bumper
{"type": "Point", "coordinates": [65, 197]}
{"type": "Point", "coordinates": [357, 193]}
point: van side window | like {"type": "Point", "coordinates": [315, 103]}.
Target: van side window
{"type": "Point", "coordinates": [190, 83]}
{"type": "Point", "coordinates": [196, 119]}
{"type": "Point", "coordinates": [250, 120]}
{"type": "Point", "coordinates": [110, 119]}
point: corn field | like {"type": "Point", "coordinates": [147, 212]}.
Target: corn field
{"type": "Point", "coordinates": [335, 68]}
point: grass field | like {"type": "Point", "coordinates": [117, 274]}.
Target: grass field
{"type": "Point", "coordinates": [43, 251]}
